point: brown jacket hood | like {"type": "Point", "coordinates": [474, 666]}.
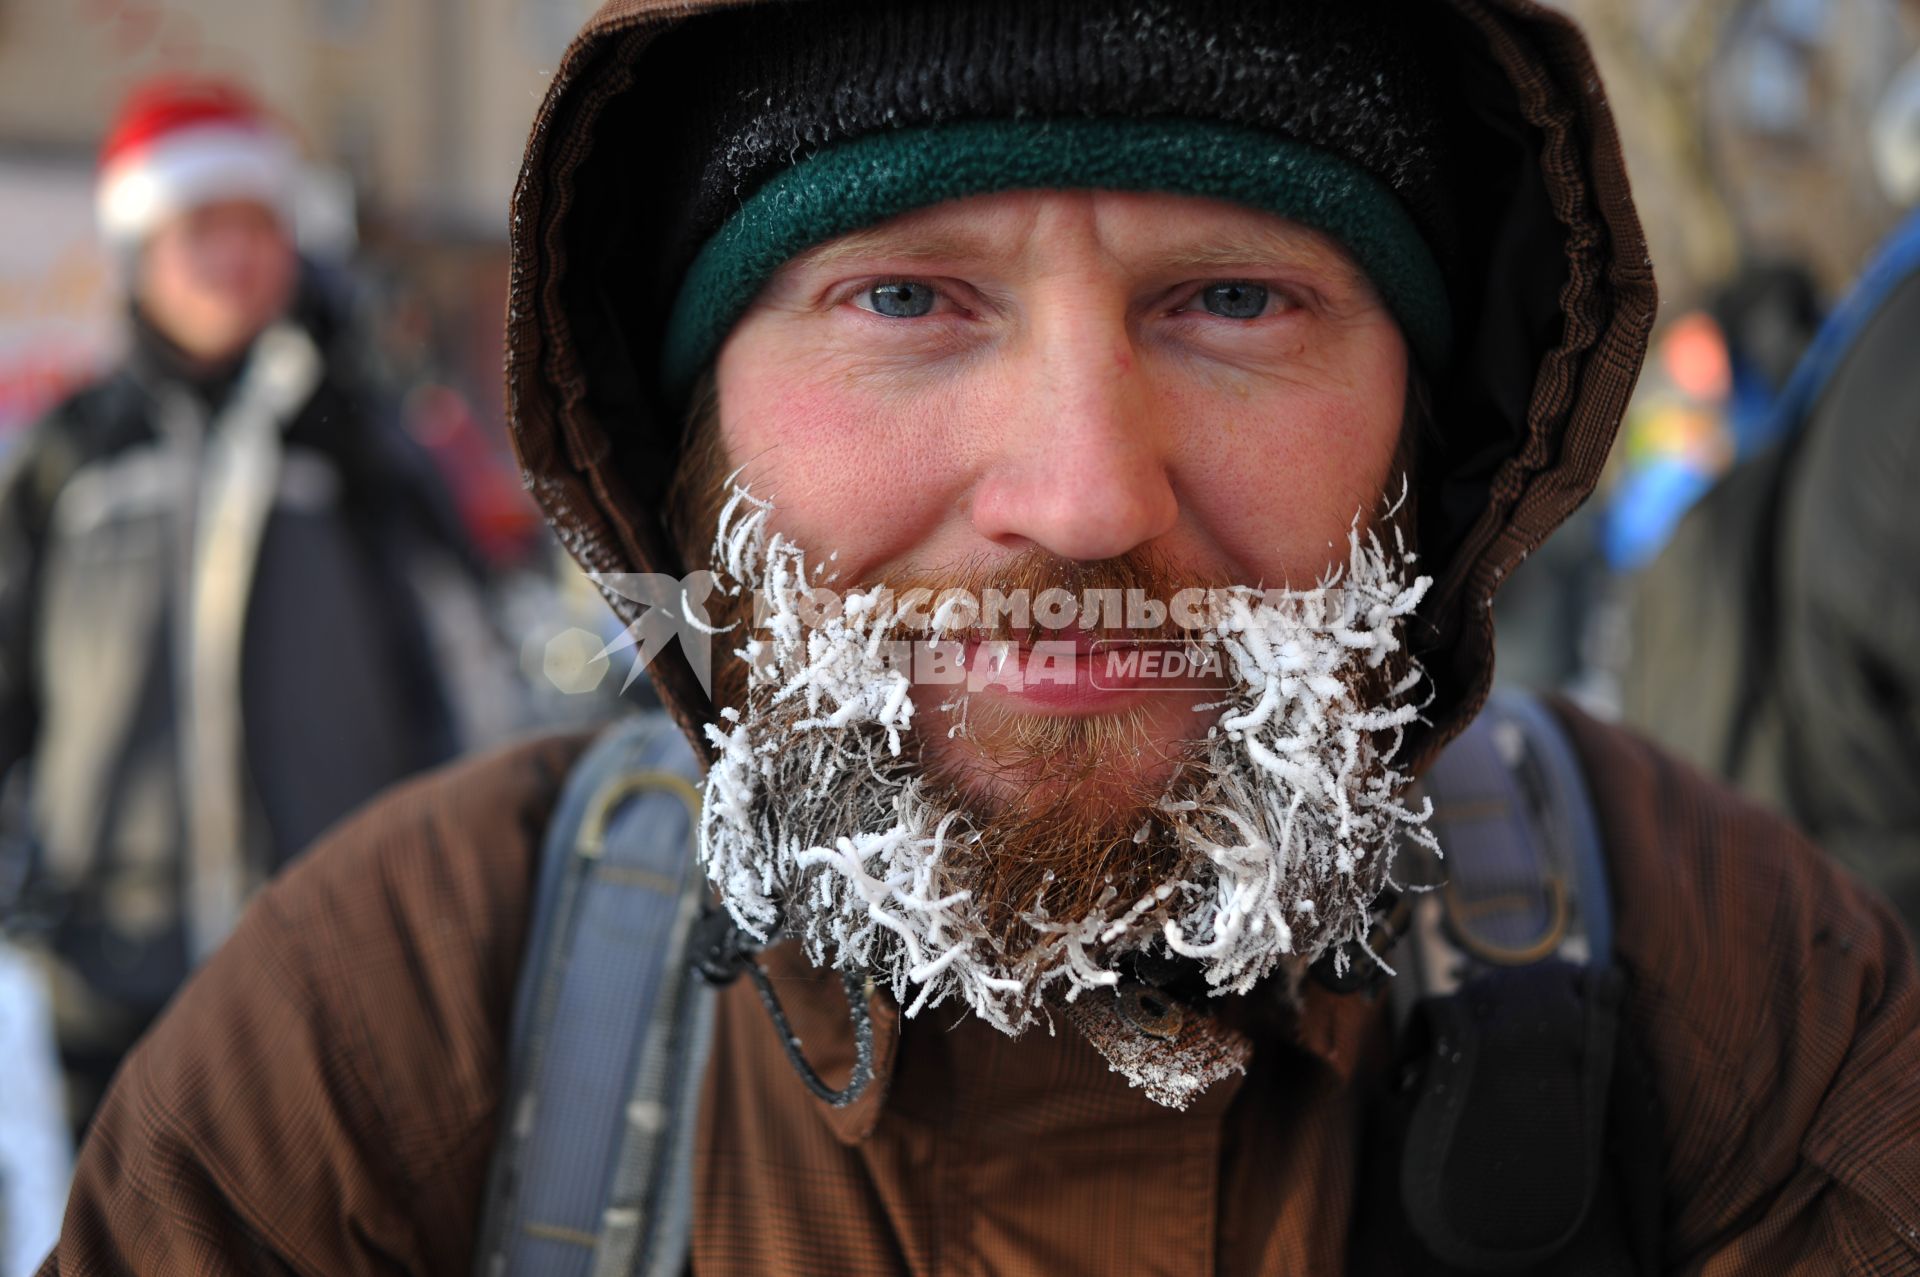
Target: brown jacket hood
{"type": "Point", "coordinates": [1554, 297]}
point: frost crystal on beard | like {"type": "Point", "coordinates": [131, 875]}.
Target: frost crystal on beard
{"type": "Point", "coordinates": [818, 826]}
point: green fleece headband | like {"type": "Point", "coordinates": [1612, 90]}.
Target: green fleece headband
{"type": "Point", "coordinates": [870, 179]}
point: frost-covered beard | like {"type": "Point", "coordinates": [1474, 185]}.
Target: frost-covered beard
{"type": "Point", "coordinates": [1268, 845]}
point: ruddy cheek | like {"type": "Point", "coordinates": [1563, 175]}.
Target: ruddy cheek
{"type": "Point", "coordinates": [844, 479]}
{"type": "Point", "coordinates": [1277, 492]}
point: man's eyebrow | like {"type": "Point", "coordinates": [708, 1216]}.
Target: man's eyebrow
{"type": "Point", "coordinates": [1254, 251]}
{"type": "Point", "coordinates": [1219, 254]}
{"type": "Point", "coordinates": [894, 245]}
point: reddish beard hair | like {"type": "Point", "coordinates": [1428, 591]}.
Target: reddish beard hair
{"type": "Point", "coordinates": [1097, 834]}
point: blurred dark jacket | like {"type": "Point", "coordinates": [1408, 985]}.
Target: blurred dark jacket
{"type": "Point", "coordinates": [1777, 640]}
{"type": "Point", "coordinates": [214, 642]}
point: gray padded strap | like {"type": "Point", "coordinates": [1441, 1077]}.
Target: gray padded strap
{"type": "Point", "coordinates": [1523, 872]}
{"type": "Point", "coordinates": [1508, 1009]}
{"type": "Point", "coordinates": [592, 1167]}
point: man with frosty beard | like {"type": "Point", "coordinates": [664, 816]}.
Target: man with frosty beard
{"type": "Point", "coordinates": [1325, 312]}
{"type": "Point", "coordinates": [998, 802]}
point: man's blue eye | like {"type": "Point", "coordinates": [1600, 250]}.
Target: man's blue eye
{"type": "Point", "coordinates": [1235, 300]}
{"type": "Point", "coordinates": [904, 300]}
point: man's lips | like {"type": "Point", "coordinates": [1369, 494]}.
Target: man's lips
{"type": "Point", "coordinates": [1074, 673]}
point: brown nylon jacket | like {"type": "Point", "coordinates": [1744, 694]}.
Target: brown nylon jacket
{"type": "Point", "coordinates": [323, 1097]}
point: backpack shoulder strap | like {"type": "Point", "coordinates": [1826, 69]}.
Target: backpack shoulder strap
{"type": "Point", "coordinates": [1508, 1005]}
{"type": "Point", "coordinates": [1523, 877]}
{"type": "Point", "coordinates": [591, 1173]}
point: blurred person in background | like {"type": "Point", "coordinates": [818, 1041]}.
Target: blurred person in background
{"type": "Point", "coordinates": [1705, 401]}
{"type": "Point", "coordinates": [1777, 639]}
{"type": "Point", "coordinates": [1768, 315]}
{"type": "Point", "coordinates": [222, 579]}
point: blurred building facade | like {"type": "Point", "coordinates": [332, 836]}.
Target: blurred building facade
{"type": "Point", "coordinates": [425, 103]}
{"type": "Point", "coordinates": [1745, 127]}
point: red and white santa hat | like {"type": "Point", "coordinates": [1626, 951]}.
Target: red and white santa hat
{"type": "Point", "coordinates": [180, 143]}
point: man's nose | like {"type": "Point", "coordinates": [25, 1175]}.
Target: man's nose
{"type": "Point", "coordinates": [1078, 468]}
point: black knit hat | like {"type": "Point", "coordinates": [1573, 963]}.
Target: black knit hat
{"type": "Point", "coordinates": [784, 85]}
